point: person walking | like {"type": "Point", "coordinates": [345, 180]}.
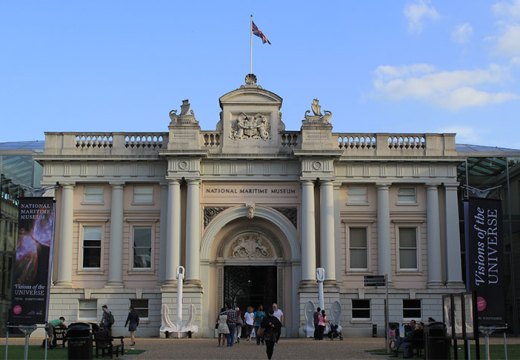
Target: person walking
{"type": "Point", "coordinates": [232, 320]}
{"type": "Point", "coordinates": [270, 328]}
{"type": "Point", "coordinates": [249, 320]}
{"type": "Point", "coordinates": [239, 325]}
{"type": "Point", "coordinates": [132, 320]}
{"type": "Point", "coordinates": [222, 327]}
{"type": "Point", "coordinates": [278, 313]}
{"type": "Point", "coordinates": [259, 316]}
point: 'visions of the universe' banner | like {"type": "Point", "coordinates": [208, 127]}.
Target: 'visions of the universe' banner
{"type": "Point", "coordinates": [31, 278]}
{"type": "Point", "coordinates": [484, 258]}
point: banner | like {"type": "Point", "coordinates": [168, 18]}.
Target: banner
{"type": "Point", "coordinates": [484, 258]}
{"type": "Point", "coordinates": [31, 275]}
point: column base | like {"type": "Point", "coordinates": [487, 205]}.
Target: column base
{"type": "Point", "coordinates": [63, 284]}
{"type": "Point", "coordinates": [435, 284]}
{"type": "Point", "coordinates": [456, 285]}
{"type": "Point", "coordinates": [193, 284]}
{"type": "Point", "coordinates": [306, 285]}
{"type": "Point", "coordinates": [169, 284]}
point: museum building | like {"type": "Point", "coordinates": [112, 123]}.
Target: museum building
{"type": "Point", "coordinates": [250, 210]}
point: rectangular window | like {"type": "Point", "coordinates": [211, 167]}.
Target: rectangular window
{"type": "Point", "coordinates": [141, 306]}
{"type": "Point", "coordinates": [411, 309]}
{"type": "Point", "coordinates": [360, 309]}
{"type": "Point", "coordinates": [92, 246]}
{"type": "Point", "coordinates": [358, 248]}
{"type": "Point", "coordinates": [406, 195]}
{"type": "Point", "coordinates": [142, 247]}
{"type": "Point", "coordinates": [357, 195]}
{"type": "Point", "coordinates": [143, 194]}
{"type": "Point", "coordinates": [407, 248]}
{"type": "Point", "coordinates": [87, 310]}
{"type": "Point", "coordinates": [93, 194]}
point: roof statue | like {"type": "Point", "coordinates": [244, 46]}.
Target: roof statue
{"type": "Point", "coordinates": [317, 116]}
{"type": "Point", "coordinates": [187, 115]}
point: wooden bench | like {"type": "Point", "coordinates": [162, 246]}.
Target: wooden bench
{"type": "Point", "coordinates": [104, 344]}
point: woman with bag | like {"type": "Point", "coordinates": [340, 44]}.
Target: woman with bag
{"type": "Point", "coordinates": [222, 328]}
{"type": "Point", "coordinates": [269, 330]}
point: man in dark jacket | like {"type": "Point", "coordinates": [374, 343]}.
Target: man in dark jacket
{"type": "Point", "coordinates": [272, 327]}
{"type": "Point", "coordinates": [316, 322]}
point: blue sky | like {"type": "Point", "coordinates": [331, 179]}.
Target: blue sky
{"type": "Point", "coordinates": [380, 66]}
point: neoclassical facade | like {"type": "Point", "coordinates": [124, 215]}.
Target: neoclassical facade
{"type": "Point", "coordinates": [250, 210]}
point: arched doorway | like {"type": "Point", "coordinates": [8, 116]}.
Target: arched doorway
{"type": "Point", "coordinates": [241, 254]}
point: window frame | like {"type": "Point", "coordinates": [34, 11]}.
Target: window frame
{"type": "Point", "coordinates": [143, 312]}
{"type": "Point", "coordinates": [407, 199]}
{"type": "Point", "coordinates": [399, 248]}
{"type": "Point", "coordinates": [361, 308]}
{"type": "Point", "coordinates": [132, 246]}
{"type": "Point", "coordinates": [349, 247]}
{"type": "Point", "coordinates": [143, 198]}
{"type": "Point", "coordinates": [81, 249]}
{"type": "Point", "coordinates": [92, 197]}
{"type": "Point", "coordinates": [82, 308]}
{"type": "Point", "coordinates": [412, 308]}
{"type": "Point", "coordinates": [357, 197]}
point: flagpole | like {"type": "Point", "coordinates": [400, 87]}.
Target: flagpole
{"type": "Point", "coordinates": [251, 45]}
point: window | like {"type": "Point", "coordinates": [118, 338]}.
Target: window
{"type": "Point", "coordinates": [87, 310]}
{"type": "Point", "coordinates": [407, 248]}
{"type": "Point", "coordinates": [357, 195]}
{"type": "Point", "coordinates": [406, 195]}
{"type": "Point", "coordinates": [92, 246]}
{"type": "Point", "coordinates": [94, 194]}
{"type": "Point", "coordinates": [360, 309]}
{"type": "Point", "coordinates": [142, 247]}
{"type": "Point", "coordinates": [143, 194]}
{"type": "Point", "coordinates": [141, 306]}
{"type": "Point", "coordinates": [358, 248]}
{"type": "Point", "coordinates": [411, 309]}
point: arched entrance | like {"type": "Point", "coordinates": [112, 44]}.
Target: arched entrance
{"type": "Point", "coordinates": [251, 261]}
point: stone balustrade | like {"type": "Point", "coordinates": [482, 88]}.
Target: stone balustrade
{"type": "Point", "coordinates": [147, 143]}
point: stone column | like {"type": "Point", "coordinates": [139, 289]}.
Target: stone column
{"type": "Point", "coordinates": [65, 240]}
{"type": "Point", "coordinates": [454, 270]}
{"type": "Point", "coordinates": [384, 255]}
{"type": "Point", "coordinates": [308, 232]}
{"type": "Point", "coordinates": [173, 232]}
{"type": "Point", "coordinates": [193, 232]}
{"type": "Point", "coordinates": [164, 221]}
{"type": "Point", "coordinates": [327, 249]}
{"type": "Point", "coordinates": [434, 236]}
{"type": "Point", "coordinates": [115, 265]}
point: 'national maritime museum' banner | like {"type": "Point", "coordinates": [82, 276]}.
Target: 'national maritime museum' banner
{"type": "Point", "coordinates": [484, 258]}
{"type": "Point", "coordinates": [31, 279]}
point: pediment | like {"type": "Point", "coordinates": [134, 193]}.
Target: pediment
{"type": "Point", "coordinates": [250, 95]}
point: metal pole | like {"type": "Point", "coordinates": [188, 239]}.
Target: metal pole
{"type": "Point", "coordinates": [386, 313]}
{"type": "Point", "coordinates": [511, 252]}
{"type": "Point", "coordinates": [505, 344]}
{"type": "Point", "coordinates": [251, 45]}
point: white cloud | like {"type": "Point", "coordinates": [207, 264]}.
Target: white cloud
{"type": "Point", "coordinates": [507, 9]}
{"type": "Point", "coordinates": [462, 33]}
{"type": "Point", "coordinates": [508, 42]}
{"type": "Point", "coordinates": [447, 89]}
{"type": "Point", "coordinates": [417, 12]}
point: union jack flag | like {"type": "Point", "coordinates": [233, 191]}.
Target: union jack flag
{"type": "Point", "coordinates": [259, 33]}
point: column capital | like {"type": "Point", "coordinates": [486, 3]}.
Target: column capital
{"type": "Point", "coordinates": [117, 183]}
{"type": "Point", "coordinates": [193, 181]}
{"type": "Point", "coordinates": [452, 186]}
{"type": "Point", "coordinates": [432, 185]}
{"type": "Point", "coordinates": [383, 185]}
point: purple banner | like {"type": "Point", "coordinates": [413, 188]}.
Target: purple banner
{"type": "Point", "coordinates": [31, 276]}
{"type": "Point", "coordinates": [484, 258]}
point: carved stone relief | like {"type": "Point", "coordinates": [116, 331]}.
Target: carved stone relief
{"type": "Point", "coordinates": [210, 213]}
{"type": "Point", "coordinates": [317, 116]}
{"type": "Point", "coordinates": [250, 245]}
{"type": "Point", "coordinates": [248, 126]}
{"type": "Point", "coordinates": [290, 213]}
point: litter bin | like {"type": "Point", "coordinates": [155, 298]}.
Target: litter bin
{"type": "Point", "coordinates": [80, 341]}
{"type": "Point", "coordinates": [437, 344]}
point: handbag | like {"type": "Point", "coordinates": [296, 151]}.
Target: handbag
{"type": "Point", "coordinates": [260, 332]}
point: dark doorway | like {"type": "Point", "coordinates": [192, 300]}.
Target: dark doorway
{"type": "Point", "coordinates": [250, 285]}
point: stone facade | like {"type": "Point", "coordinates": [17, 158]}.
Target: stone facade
{"type": "Point", "coordinates": [252, 195]}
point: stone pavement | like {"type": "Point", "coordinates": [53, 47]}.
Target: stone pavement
{"type": "Point", "coordinates": [352, 348]}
